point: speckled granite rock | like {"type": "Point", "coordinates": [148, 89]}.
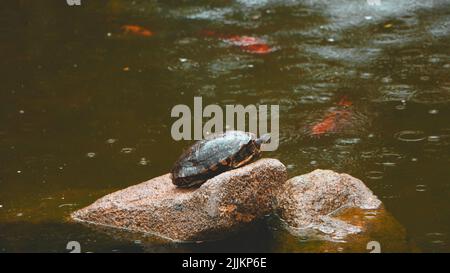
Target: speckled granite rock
{"type": "Point", "coordinates": [222, 204]}
{"type": "Point", "coordinates": [311, 202]}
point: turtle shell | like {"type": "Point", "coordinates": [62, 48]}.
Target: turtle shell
{"type": "Point", "coordinates": [213, 155]}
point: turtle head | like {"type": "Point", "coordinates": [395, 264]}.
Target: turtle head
{"type": "Point", "coordinates": [262, 140]}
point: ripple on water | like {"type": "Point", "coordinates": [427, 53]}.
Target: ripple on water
{"type": "Point", "coordinates": [144, 161]}
{"type": "Point", "coordinates": [433, 96]}
{"type": "Point", "coordinates": [410, 136]}
{"type": "Point", "coordinates": [387, 79]}
{"type": "Point", "coordinates": [290, 166]}
{"type": "Point", "coordinates": [389, 159]}
{"type": "Point", "coordinates": [111, 141]}
{"type": "Point", "coordinates": [421, 188]}
{"type": "Point", "coordinates": [400, 106]}
{"type": "Point", "coordinates": [434, 138]}
{"type": "Point", "coordinates": [436, 238]}
{"type": "Point", "coordinates": [228, 64]}
{"type": "Point", "coordinates": [368, 154]}
{"type": "Point", "coordinates": [375, 175]}
{"type": "Point", "coordinates": [127, 150]}
{"type": "Point", "coordinates": [348, 141]}
{"type": "Point", "coordinates": [396, 92]}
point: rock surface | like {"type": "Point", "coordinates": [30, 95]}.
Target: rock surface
{"type": "Point", "coordinates": [222, 204]}
{"type": "Point", "coordinates": [312, 202]}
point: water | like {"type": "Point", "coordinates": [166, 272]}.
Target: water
{"type": "Point", "coordinates": [86, 107]}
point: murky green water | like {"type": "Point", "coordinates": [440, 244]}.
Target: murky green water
{"type": "Point", "coordinates": [85, 107]}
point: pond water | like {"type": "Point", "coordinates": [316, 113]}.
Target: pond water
{"type": "Point", "coordinates": [85, 104]}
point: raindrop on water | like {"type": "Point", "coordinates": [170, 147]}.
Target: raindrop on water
{"type": "Point", "coordinates": [367, 154]}
{"type": "Point", "coordinates": [410, 136]}
{"type": "Point", "coordinates": [111, 141]}
{"type": "Point", "coordinates": [421, 188]}
{"type": "Point", "coordinates": [348, 141]}
{"type": "Point", "coordinates": [434, 60]}
{"type": "Point", "coordinates": [386, 80]}
{"type": "Point", "coordinates": [91, 155]}
{"type": "Point", "coordinates": [127, 150]}
{"type": "Point", "coordinates": [290, 166]}
{"type": "Point", "coordinates": [400, 107]}
{"type": "Point", "coordinates": [366, 75]}
{"type": "Point", "coordinates": [433, 138]}
{"type": "Point", "coordinates": [433, 111]}
{"type": "Point", "coordinates": [374, 175]}
{"type": "Point", "coordinates": [144, 161]}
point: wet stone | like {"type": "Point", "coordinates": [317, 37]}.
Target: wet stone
{"type": "Point", "coordinates": [221, 205]}
{"type": "Point", "coordinates": [311, 202]}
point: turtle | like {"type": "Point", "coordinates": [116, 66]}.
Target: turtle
{"type": "Point", "coordinates": [215, 154]}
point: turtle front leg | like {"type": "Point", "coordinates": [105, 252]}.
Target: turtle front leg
{"type": "Point", "coordinates": [242, 162]}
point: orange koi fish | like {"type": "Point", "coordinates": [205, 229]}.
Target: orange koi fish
{"type": "Point", "coordinates": [345, 102]}
{"type": "Point", "coordinates": [248, 44]}
{"type": "Point", "coordinates": [257, 48]}
{"type": "Point", "coordinates": [330, 123]}
{"type": "Point", "coordinates": [243, 40]}
{"type": "Point", "coordinates": [136, 30]}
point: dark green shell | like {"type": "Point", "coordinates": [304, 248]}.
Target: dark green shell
{"type": "Point", "coordinates": [213, 155]}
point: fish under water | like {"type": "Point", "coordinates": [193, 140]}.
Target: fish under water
{"type": "Point", "coordinates": [331, 123]}
{"type": "Point", "coordinates": [335, 120]}
{"type": "Point", "coordinates": [136, 30]}
{"type": "Point", "coordinates": [250, 44]}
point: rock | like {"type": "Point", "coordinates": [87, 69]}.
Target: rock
{"type": "Point", "coordinates": [312, 202]}
{"type": "Point", "coordinates": [378, 227]}
{"type": "Point", "coordinates": [222, 204]}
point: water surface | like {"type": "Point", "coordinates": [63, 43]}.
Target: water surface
{"type": "Point", "coordinates": [85, 108]}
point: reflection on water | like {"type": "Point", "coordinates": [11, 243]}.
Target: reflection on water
{"type": "Point", "coordinates": [86, 104]}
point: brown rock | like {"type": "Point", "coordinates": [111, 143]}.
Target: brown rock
{"type": "Point", "coordinates": [222, 204]}
{"type": "Point", "coordinates": [312, 202]}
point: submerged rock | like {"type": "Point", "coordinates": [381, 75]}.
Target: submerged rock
{"type": "Point", "coordinates": [310, 203]}
{"type": "Point", "coordinates": [222, 204]}
{"type": "Point", "coordinates": [381, 232]}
